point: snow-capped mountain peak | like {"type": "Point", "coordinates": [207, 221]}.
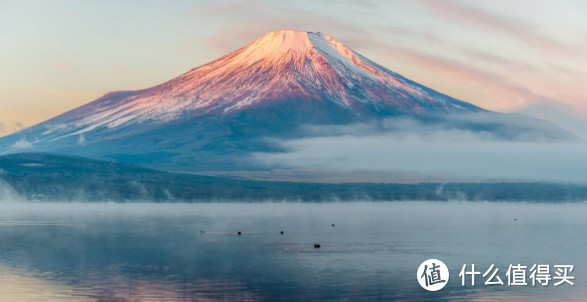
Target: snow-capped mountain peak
{"type": "Point", "coordinates": [279, 81]}
{"type": "Point", "coordinates": [274, 45]}
{"type": "Point", "coordinates": [277, 44]}
{"type": "Point", "coordinates": [296, 64]}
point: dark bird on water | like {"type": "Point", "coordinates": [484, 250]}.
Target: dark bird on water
{"type": "Point", "coordinates": [239, 233]}
{"type": "Point", "coordinates": [281, 232]}
{"type": "Point", "coordinates": [333, 224]}
{"type": "Point", "coordinates": [316, 245]}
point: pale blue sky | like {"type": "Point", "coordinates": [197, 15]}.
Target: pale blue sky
{"type": "Point", "coordinates": [527, 56]}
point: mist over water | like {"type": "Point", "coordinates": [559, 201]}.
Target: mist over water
{"type": "Point", "coordinates": [158, 251]}
{"type": "Point", "coordinates": [7, 193]}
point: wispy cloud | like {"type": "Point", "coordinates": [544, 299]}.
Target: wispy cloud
{"type": "Point", "coordinates": [410, 33]}
{"type": "Point", "coordinates": [547, 65]}
{"type": "Point", "coordinates": [63, 67]}
{"type": "Point", "coordinates": [499, 92]}
{"type": "Point", "coordinates": [490, 58]}
{"type": "Point", "coordinates": [515, 28]}
{"type": "Point", "coordinates": [60, 93]}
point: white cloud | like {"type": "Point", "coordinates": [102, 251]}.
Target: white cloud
{"type": "Point", "coordinates": [23, 143]}
{"type": "Point", "coordinates": [81, 140]}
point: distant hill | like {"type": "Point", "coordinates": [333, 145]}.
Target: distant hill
{"type": "Point", "coordinates": [46, 177]}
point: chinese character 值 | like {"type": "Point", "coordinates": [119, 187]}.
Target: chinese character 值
{"type": "Point", "coordinates": [432, 275]}
{"type": "Point", "coordinates": [516, 275]}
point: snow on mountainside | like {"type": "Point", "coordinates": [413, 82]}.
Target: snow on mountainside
{"type": "Point", "coordinates": [272, 86]}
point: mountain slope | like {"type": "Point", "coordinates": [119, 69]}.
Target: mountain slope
{"type": "Point", "coordinates": [299, 65]}
{"type": "Point", "coordinates": [213, 115]}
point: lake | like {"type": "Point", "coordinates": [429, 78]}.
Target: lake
{"type": "Point", "coordinates": [192, 252]}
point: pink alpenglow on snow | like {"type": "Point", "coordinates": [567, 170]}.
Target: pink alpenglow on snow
{"type": "Point", "coordinates": [293, 63]}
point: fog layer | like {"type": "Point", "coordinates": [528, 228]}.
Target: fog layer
{"type": "Point", "coordinates": [485, 148]}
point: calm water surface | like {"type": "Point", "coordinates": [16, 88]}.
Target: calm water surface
{"type": "Point", "coordinates": [157, 252]}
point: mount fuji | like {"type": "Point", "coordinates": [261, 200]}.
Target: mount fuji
{"type": "Point", "coordinates": [213, 115]}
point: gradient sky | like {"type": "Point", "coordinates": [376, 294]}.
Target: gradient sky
{"type": "Point", "coordinates": [525, 56]}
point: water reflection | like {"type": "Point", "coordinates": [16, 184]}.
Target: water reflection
{"type": "Point", "coordinates": [78, 252]}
